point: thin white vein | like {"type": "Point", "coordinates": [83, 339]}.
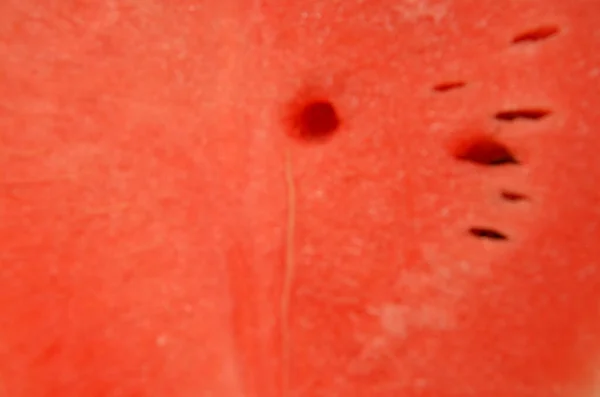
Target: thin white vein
{"type": "Point", "coordinates": [288, 277]}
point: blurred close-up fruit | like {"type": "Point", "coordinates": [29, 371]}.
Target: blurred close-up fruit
{"type": "Point", "coordinates": [317, 198]}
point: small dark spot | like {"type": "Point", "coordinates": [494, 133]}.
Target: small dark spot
{"type": "Point", "coordinates": [316, 120]}
{"type": "Point", "coordinates": [536, 34]}
{"type": "Point", "coordinates": [487, 233]}
{"type": "Point", "coordinates": [532, 114]}
{"type": "Point", "coordinates": [513, 196]}
{"type": "Point", "coordinates": [485, 151]}
{"type": "Point", "coordinates": [449, 86]}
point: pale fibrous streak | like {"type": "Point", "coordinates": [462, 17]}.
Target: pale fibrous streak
{"type": "Point", "coordinates": [288, 272]}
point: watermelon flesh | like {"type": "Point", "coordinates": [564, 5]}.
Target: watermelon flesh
{"type": "Point", "coordinates": [324, 198]}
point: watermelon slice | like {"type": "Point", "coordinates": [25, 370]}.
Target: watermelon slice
{"type": "Point", "coordinates": [300, 198]}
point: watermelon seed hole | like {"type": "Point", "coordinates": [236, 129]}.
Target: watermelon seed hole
{"type": "Point", "coordinates": [485, 151]}
{"type": "Point", "coordinates": [449, 86]}
{"type": "Point", "coordinates": [317, 120]}
{"type": "Point", "coordinates": [487, 233]}
{"type": "Point", "coordinates": [513, 196]}
{"type": "Point", "coordinates": [537, 34]}
{"type": "Point", "coordinates": [532, 114]}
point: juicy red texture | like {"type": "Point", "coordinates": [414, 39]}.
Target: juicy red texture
{"type": "Point", "coordinates": [165, 233]}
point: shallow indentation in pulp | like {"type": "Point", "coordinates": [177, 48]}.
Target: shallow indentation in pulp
{"type": "Point", "coordinates": [531, 114]}
{"type": "Point", "coordinates": [487, 233]}
{"type": "Point", "coordinates": [513, 196]}
{"type": "Point", "coordinates": [485, 151]}
{"type": "Point", "coordinates": [536, 34]}
{"type": "Point", "coordinates": [449, 86]}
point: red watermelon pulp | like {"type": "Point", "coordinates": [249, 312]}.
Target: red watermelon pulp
{"type": "Point", "coordinates": [262, 198]}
